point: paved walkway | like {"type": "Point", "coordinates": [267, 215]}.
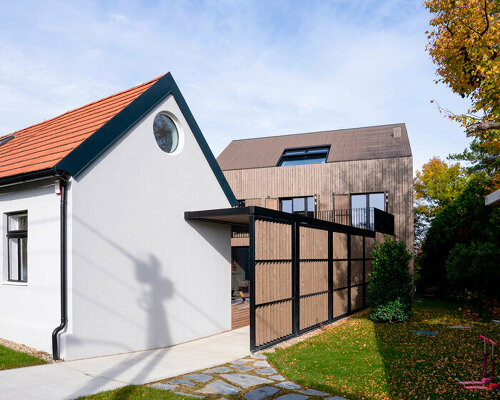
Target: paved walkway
{"type": "Point", "coordinates": [250, 378]}
{"type": "Point", "coordinates": [72, 379]}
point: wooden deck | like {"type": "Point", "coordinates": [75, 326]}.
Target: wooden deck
{"type": "Point", "coordinates": [240, 315]}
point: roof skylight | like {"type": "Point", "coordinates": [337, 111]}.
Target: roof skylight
{"type": "Point", "coordinates": [6, 139]}
{"type": "Point", "coordinates": [304, 155]}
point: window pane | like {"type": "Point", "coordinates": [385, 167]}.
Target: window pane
{"type": "Point", "coordinates": [304, 156]}
{"type": "Point", "coordinates": [298, 204]}
{"type": "Point", "coordinates": [18, 222]}
{"type": "Point", "coordinates": [303, 161]}
{"type": "Point", "coordinates": [377, 201]}
{"type": "Point", "coordinates": [358, 201]}
{"type": "Point", "coordinates": [165, 133]}
{"type": "Point", "coordinates": [24, 258]}
{"type": "Point", "coordinates": [310, 203]}
{"type": "Point", "coordinates": [13, 260]}
{"type": "Point", "coordinates": [286, 206]}
{"type": "Point", "coordinates": [358, 210]}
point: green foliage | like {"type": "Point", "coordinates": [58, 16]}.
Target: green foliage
{"type": "Point", "coordinates": [463, 43]}
{"type": "Point", "coordinates": [394, 311]}
{"type": "Point", "coordinates": [464, 221]}
{"type": "Point", "coordinates": [475, 268]}
{"type": "Point", "coordinates": [436, 186]}
{"type": "Point", "coordinates": [390, 285]}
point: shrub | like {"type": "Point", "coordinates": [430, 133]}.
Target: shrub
{"type": "Point", "coordinates": [390, 288]}
{"type": "Point", "coordinates": [394, 311]}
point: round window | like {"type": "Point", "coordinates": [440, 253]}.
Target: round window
{"type": "Point", "coordinates": [165, 132]}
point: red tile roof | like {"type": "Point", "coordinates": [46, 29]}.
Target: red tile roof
{"type": "Point", "coordinates": [43, 145]}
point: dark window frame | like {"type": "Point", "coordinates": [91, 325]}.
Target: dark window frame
{"type": "Point", "coordinates": [16, 234]}
{"type": "Point", "coordinates": [305, 154]}
{"type": "Point", "coordinates": [368, 219]}
{"type": "Point", "coordinates": [306, 211]}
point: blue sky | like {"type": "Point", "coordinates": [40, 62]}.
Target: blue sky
{"type": "Point", "coordinates": [246, 68]}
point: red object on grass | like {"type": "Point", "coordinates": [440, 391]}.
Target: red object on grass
{"type": "Point", "coordinates": [487, 382]}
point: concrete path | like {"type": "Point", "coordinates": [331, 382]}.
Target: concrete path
{"type": "Point", "coordinates": [72, 379]}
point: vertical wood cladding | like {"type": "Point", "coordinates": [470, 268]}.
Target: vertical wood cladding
{"type": "Point", "coordinates": [394, 175]}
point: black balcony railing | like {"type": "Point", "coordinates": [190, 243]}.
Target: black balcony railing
{"type": "Point", "coordinates": [366, 218]}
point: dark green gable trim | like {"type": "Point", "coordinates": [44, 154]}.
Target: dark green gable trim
{"type": "Point", "coordinates": [87, 152]}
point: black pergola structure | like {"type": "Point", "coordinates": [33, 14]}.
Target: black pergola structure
{"type": "Point", "coordinates": [304, 272]}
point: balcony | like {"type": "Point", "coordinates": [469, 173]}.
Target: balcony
{"type": "Point", "coordinates": [371, 218]}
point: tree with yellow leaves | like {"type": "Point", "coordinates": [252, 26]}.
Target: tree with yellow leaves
{"type": "Point", "coordinates": [464, 43]}
{"type": "Point", "coordinates": [436, 186]}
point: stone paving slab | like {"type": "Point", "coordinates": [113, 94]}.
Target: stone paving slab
{"type": "Point", "coordinates": [180, 381]}
{"type": "Point", "coordinates": [312, 392]}
{"type": "Point", "coordinates": [288, 385]}
{"type": "Point", "coordinates": [165, 386]}
{"type": "Point", "coordinates": [245, 381]}
{"type": "Point", "coordinates": [258, 356]}
{"type": "Point", "coordinates": [261, 363]}
{"type": "Point", "coordinates": [278, 377]}
{"type": "Point", "coordinates": [261, 393]}
{"type": "Point", "coordinates": [292, 396]}
{"type": "Point", "coordinates": [219, 387]}
{"type": "Point", "coordinates": [200, 378]}
{"type": "Point", "coordinates": [243, 368]}
{"type": "Point", "coordinates": [239, 362]}
{"type": "Point", "coordinates": [218, 370]}
{"type": "Point", "coordinates": [266, 371]}
{"type": "Point", "coordinates": [336, 398]}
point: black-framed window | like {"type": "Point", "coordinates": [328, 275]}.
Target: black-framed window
{"type": "Point", "coordinates": [17, 246]}
{"type": "Point", "coordinates": [362, 206]}
{"type": "Point", "coordinates": [304, 155]}
{"type": "Point", "coordinates": [298, 205]}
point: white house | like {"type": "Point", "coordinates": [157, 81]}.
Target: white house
{"type": "Point", "coordinates": [97, 256]}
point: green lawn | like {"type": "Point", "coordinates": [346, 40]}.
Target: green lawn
{"type": "Point", "coordinates": [136, 392]}
{"type": "Point", "coordinates": [15, 359]}
{"type": "Point", "coordinates": [360, 359]}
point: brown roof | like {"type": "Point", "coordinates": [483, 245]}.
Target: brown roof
{"type": "Point", "coordinates": [43, 145]}
{"type": "Point", "coordinates": [385, 141]}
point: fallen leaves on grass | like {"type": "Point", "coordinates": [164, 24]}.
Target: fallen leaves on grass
{"type": "Point", "coordinates": [365, 360]}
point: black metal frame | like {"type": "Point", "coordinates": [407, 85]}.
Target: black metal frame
{"type": "Point", "coordinates": [301, 157]}
{"type": "Point", "coordinates": [280, 199]}
{"type": "Point", "coordinates": [16, 234]}
{"type": "Point", "coordinates": [296, 221]}
{"type": "Point", "coordinates": [296, 296]}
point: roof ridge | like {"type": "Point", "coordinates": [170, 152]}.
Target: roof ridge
{"type": "Point", "coordinates": [85, 105]}
{"type": "Point", "coordinates": [315, 132]}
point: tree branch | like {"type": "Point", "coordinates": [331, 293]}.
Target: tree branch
{"type": "Point", "coordinates": [482, 126]}
{"type": "Point", "coordinates": [487, 19]}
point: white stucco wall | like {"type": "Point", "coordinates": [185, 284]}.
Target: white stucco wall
{"type": "Point", "coordinates": [142, 277]}
{"type": "Point", "coordinates": [30, 312]}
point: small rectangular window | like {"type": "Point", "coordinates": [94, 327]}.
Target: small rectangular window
{"type": "Point", "coordinates": [17, 246]}
{"type": "Point", "coordinates": [298, 205]}
{"type": "Point", "coordinates": [302, 156]}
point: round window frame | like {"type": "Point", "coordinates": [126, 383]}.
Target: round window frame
{"type": "Point", "coordinates": [180, 133]}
